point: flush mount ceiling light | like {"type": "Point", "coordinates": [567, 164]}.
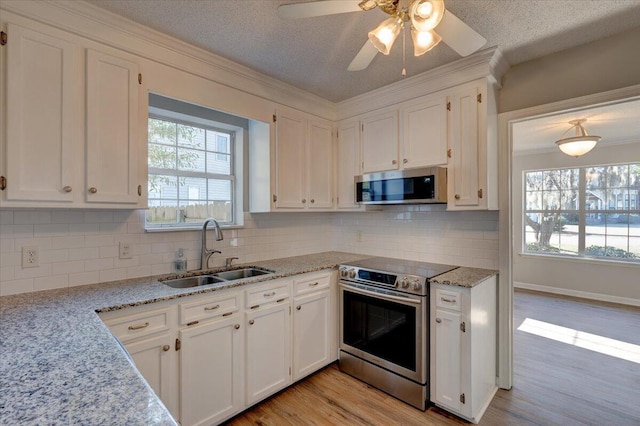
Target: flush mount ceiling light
{"type": "Point", "coordinates": [420, 16]}
{"type": "Point", "coordinates": [580, 143]}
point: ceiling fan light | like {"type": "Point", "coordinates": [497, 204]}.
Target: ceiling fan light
{"type": "Point", "coordinates": [424, 41]}
{"type": "Point", "coordinates": [367, 4]}
{"type": "Point", "coordinates": [579, 144]}
{"type": "Point", "coordinates": [425, 15]}
{"type": "Point", "coordinates": [385, 34]}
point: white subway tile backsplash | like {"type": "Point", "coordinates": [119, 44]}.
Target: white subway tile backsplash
{"type": "Point", "coordinates": [16, 286]}
{"type": "Point", "coordinates": [51, 282]}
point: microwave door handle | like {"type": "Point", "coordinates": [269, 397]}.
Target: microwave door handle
{"type": "Point", "coordinates": [384, 296]}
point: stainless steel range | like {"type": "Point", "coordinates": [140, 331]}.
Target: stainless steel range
{"type": "Point", "coordinates": [384, 325]}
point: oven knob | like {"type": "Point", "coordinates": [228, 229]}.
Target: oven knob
{"type": "Point", "coordinates": [417, 285]}
{"type": "Point", "coordinates": [343, 272]}
{"type": "Point", "coordinates": [404, 283]}
{"type": "Point", "coordinates": [352, 273]}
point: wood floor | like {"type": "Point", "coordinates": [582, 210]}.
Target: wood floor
{"type": "Point", "coordinates": [554, 383]}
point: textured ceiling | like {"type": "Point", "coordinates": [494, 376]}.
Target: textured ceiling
{"type": "Point", "coordinates": [313, 53]}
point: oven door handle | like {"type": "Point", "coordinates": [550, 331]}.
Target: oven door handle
{"type": "Point", "coordinates": [383, 296]}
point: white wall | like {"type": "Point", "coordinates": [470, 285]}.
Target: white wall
{"type": "Point", "coordinates": [600, 66]}
{"type": "Point", "coordinates": [80, 247]}
{"type": "Point", "coordinates": [580, 277]}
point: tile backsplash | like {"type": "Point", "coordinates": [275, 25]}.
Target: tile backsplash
{"type": "Point", "coordinates": [78, 247]}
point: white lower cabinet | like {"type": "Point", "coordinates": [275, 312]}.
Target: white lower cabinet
{"type": "Point", "coordinates": [210, 356]}
{"type": "Point", "coordinates": [211, 371]}
{"type": "Point", "coordinates": [463, 348]}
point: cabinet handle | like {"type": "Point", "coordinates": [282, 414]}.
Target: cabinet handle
{"type": "Point", "coordinates": [237, 326]}
{"type": "Point", "coordinates": [313, 284]}
{"type": "Point", "coordinates": [273, 293]}
{"type": "Point", "coordinates": [304, 200]}
{"type": "Point", "coordinates": [405, 161]}
{"type": "Point", "coordinates": [93, 190]}
{"type": "Point", "coordinates": [67, 188]}
{"type": "Point", "coordinates": [281, 300]}
{"type": "Point", "coordinates": [138, 327]}
{"type": "Point", "coordinates": [251, 322]}
{"type": "Point", "coordinates": [394, 162]}
{"type": "Point", "coordinates": [139, 190]}
{"type": "Point", "coordinates": [444, 299]}
{"type": "Point", "coordinates": [449, 153]}
{"type": "Point", "coordinates": [457, 196]}
{"type": "Point", "coordinates": [211, 308]}
{"type": "Point", "coordinates": [313, 201]}
{"type": "Point", "coordinates": [227, 314]}
{"type": "Point", "coordinates": [166, 348]}
{"type": "Point", "coordinates": [298, 307]}
{"type": "Point", "coordinates": [438, 320]}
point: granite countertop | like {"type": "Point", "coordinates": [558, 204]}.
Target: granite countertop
{"type": "Point", "coordinates": [464, 277]}
{"type": "Point", "coordinates": [59, 364]}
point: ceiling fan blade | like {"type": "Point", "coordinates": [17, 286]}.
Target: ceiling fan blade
{"type": "Point", "coordinates": [458, 35]}
{"type": "Point", "coordinates": [364, 57]}
{"type": "Point", "coordinates": [317, 8]}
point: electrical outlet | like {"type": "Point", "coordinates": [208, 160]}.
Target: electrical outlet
{"type": "Point", "coordinates": [30, 257]}
{"type": "Point", "coordinates": [125, 250]}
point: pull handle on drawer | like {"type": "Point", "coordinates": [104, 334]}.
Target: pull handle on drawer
{"type": "Point", "coordinates": [273, 293]}
{"type": "Point", "coordinates": [211, 308]}
{"type": "Point", "coordinates": [313, 284]}
{"type": "Point", "coordinates": [444, 299]}
{"type": "Point", "coordinates": [139, 326]}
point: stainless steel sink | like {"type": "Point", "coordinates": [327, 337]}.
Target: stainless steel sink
{"type": "Point", "coordinates": [239, 274]}
{"type": "Point", "coordinates": [193, 281]}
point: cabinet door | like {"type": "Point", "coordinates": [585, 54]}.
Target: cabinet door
{"type": "Point", "coordinates": [268, 352]}
{"type": "Point", "coordinates": [290, 160]}
{"type": "Point", "coordinates": [44, 82]}
{"type": "Point", "coordinates": [211, 375]}
{"type": "Point", "coordinates": [424, 141]}
{"type": "Point", "coordinates": [380, 142]}
{"type": "Point", "coordinates": [112, 129]}
{"type": "Point", "coordinates": [464, 178]}
{"type": "Point", "coordinates": [445, 353]}
{"type": "Point", "coordinates": [156, 360]}
{"type": "Point", "coordinates": [320, 170]}
{"type": "Point", "coordinates": [310, 334]}
{"type": "Point", "coordinates": [348, 164]}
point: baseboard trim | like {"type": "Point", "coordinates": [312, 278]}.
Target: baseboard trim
{"type": "Point", "coordinates": [577, 293]}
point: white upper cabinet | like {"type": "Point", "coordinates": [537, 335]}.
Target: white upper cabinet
{"type": "Point", "coordinates": [472, 175]}
{"type": "Point", "coordinates": [380, 141]}
{"type": "Point", "coordinates": [298, 171]}
{"type": "Point", "coordinates": [112, 129]}
{"type": "Point", "coordinates": [75, 125]}
{"type": "Point", "coordinates": [348, 164]}
{"type": "Point", "coordinates": [43, 101]}
{"type": "Point", "coordinates": [424, 132]}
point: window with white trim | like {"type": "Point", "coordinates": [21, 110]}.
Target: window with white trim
{"type": "Point", "coordinates": [591, 212]}
{"type": "Point", "coordinates": [192, 166]}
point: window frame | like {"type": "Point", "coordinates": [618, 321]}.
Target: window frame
{"type": "Point", "coordinates": [582, 213]}
{"type": "Point", "coordinates": [207, 125]}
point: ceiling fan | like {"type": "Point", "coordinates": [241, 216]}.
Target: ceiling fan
{"type": "Point", "coordinates": [423, 17]}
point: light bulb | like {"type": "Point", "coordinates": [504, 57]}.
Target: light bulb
{"type": "Point", "coordinates": [425, 15]}
{"type": "Point", "coordinates": [423, 41]}
{"type": "Point", "coordinates": [385, 34]}
{"type": "Point", "coordinates": [424, 10]}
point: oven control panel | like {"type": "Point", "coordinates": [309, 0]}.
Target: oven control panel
{"type": "Point", "coordinates": [406, 283]}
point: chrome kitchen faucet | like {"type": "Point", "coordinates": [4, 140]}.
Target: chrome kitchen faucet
{"type": "Point", "coordinates": [205, 253]}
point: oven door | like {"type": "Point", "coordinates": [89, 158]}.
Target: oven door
{"type": "Point", "coordinates": [388, 330]}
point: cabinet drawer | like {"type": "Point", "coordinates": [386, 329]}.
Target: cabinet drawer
{"type": "Point", "coordinates": [209, 307]}
{"type": "Point", "coordinates": [265, 295]}
{"type": "Point", "coordinates": [312, 283]}
{"type": "Point", "coordinates": [448, 299]}
{"type": "Point", "coordinates": [139, 325]}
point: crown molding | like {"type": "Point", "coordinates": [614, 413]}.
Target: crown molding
{"type": "Point", "coordinates": [89, 21]}
{"type": "Point", "coordinates": [487, 63]}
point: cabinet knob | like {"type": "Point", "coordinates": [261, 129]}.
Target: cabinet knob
{"type": "Point", "coordinates": [457, 196]}
{"type": "Point", "coordinates": [298, 307]}
{"type": "Point", "coordinates": [313, 201]}
{"type": "Point", "coordinates": [166, 348]}
{"type": "Point", "coordinates": [304, 200]}
{"type": "Point", "coordinates": [93, 190]}
{"type": "Point", "coordinates": [237, 326]}
{"type": "Point", "coordinates": [251, 322]}
{"type": "Point", "coordinates": [67, 189]}
{"type": "Point", "coordinates": [405, 161]}
{"type": "Point", "coordinates": [394, 162]}
{"type": "Point", "coordinates": [438, 320]}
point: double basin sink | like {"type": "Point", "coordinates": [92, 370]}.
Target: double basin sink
{"type": "Point", "coordinates": [217, 278]}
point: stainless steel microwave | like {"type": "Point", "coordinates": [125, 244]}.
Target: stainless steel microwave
{"type": "Point", "coordinates": [415, 186]}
